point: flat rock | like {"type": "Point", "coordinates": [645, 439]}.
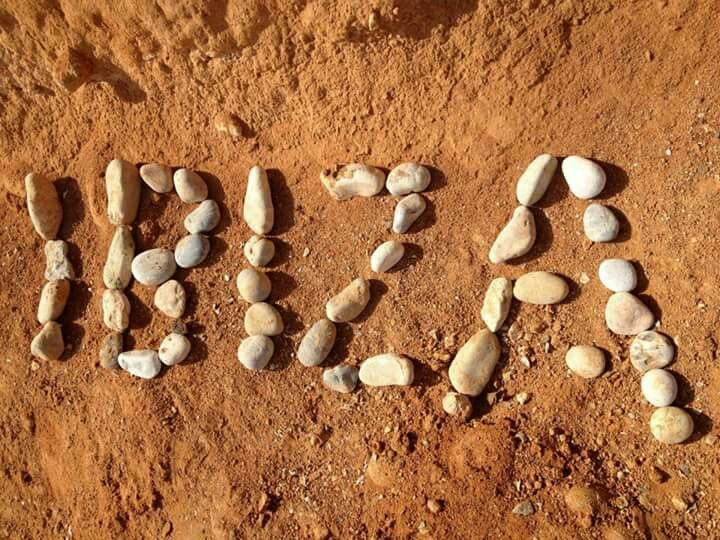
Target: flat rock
{"type": "Point", "coordinates": [474, 363]}
{"type": "Point", "coordinates": [516, 238]}
{"type": "Point", "coordinates": [671, 425]}
{"type": "Point", "coordinates": [253, 285]}
{"type": "Point", "coordinates": [408, 178]}
{"type": "Point", "coordinates": [353, 180]}
{"type": "Point", "coordinates": [190, 186]}
{"type": "Point", "coordinates": [117, 269]}
{"type": "Point", "coordinates": [618, 275]}
{"type": "Point", "coordinates": [349, 303]}
{"type": "Point", "coordinates": [651, 350]}
{"type": "Point", "coordinates": [154, 266]}
{"type": "Point", "coordinates": [174, 349]}
{"type": "Point", "coordinates": [110, 349]}
{"type": "Point", "coordinates": [407, 211]}
{"type": "Point", "coordinates": [585, 361]}
{"type": "Point", "coordinates": [541, 288]}
{"type": "Point", "coordinates": [116, 310]}
{"type": "Point", "coordinates": [57, 264]}
{"type": "Point", "coordinates": [387, 369]}
{"type": "Point", "coordinates": [122, 184]}
{"type": "Point", "coordinates": [456, 404]}
{"type": "Point", "coordinates": [255, 352]}
{"type": "Point", "coordinates": [157, 177]}
{"type": "Point", "coordinates": [263, 319]}
{"type": "Point", "coordinates": [386, 255]}
{"type": "Point", "coordinates": [43, 205]}
{"type": "Point", "coordinates": [342, 379]}
{"type": "Point", "coordinates": [53, 298]}
{"type": "Point", "coordinates": [191, 250]}
{"type": "Point", "coordinates": [258, 210]}
{"type": "Point", "coordinates": [317, 343]}
{"type": "Point", "coordinates": [142, 363]}
{"type": "Point", "coordinates": [585, 178]}
{"type": "Point", "coordinates": [204, 218]}
{"type": "Point", "coordinates": [48, 344]}
{"type": "Point", "coordinates": [659, 387]}
{"type": "Point", "coordinates": [626, 315]}
{"type": "Point", "coordinates": [600, 224]}
{"type": "Point", "coordinates": [496, 304]}
{"type": "Point", "coordinates": [170, 298]}
{"type": "Point", "coordinates": [259, 251]}
{"type": "Point", "coordinates": [534, 181]}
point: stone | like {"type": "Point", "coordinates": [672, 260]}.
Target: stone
{"type": "Point", "coordinates": [116, 310]}
{"type": "Point", "coordinates": [524, 508]}
{"type": "Point", "coordinates": [456, 404]}
{"type": "Point", "coordinates": [516, 238]}
{"type": "Point", "coordinates": [583, 500]}
{"type": "Point", "coordinates": [349, 303]}
{"type": "Point", "coordinates": [204, 218]}
{"type": "Point", "coordinates": [174, 349]}
{"type": "Point", "coordinates": [671, 425]}
{"type": "Point", "coordinates": [618, 275]}
{"type": "Point", "coordinates": [53, 298]}
{"type": "Point", "coordinates": [387, 369]}
{"type": "Point", "coordinates": [386, 255]}
{"type": "Point", "coordinates": [317, 343]}
{"type": "Point", "coordinates": [116, 272]}
{"type": "Point", "coordinates": [43, 205]}
{"type": "Point", "coordinates": [110, 349]}
{"type": "Point", "coordinates": [192, 250]}
{"type": "Point", "coordinates": [407, 211]}
{"type": "Point", "coordinates": [474, 363]}
{"type": "Point", "coordinates": [263, 319]}
{"type": "Point", "coordinates": [585, 178]}
{"type": "Point", "coordinates": [659, 387]}
{"type": "Point", "coordinates": [122, 184]}
{"type": "Point", "coordinates": [259, 251]}
{"type": "Point", "coordinates": [626, 315]}
{"type": "Point", "coordinates": [353, 180]}
{"type": "Point", "coordinates": [341, 378]}
{"type": "Point", "coordinates": [408, 178]}
{"type": "Point", "coordinates": [170, 299]}
{"type": "Point", "coordinates": [586, 361]}
{"type": "Point", "coordinates": [57, 264]}
{"type": "Point", "coordinates": [541, 288]}
{"type": "Point", "coordinates": [651, 350]}
{"type": "Point", "coordinates": [258, 210]}
{"type": "Point", "coordinates": [255, 352]}
{"type": "Point", "coordinates": [229, 123]}
{"type": "Point", "coordinates": [534, 181]}
{"type": "Point", "coordinates": [253, 286]}
{"type": "Point", "coordinates": [154, 266]}
{"type": "Point", "coordinates": [190, 186]}
{"type": "Point", "coordinates": [496, 304]}
{"type": "Point", "coordinates": [157, 177]}
{"type": "Point", "coordinates": [142, 363]}
{"type": "Point", "coordinates": [600, 224]}
{"type": "Point", "coordinates": [48, 344]}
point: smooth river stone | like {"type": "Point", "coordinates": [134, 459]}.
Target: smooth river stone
{"type": "Point", "coordinates": [407, 211]}
{"type": "Point", "coordinates": [456, 404]}
{"type": "Point", "coordinates": [585, 178]}
{"type": "Point", "coordinates": [110, 349]}
{"type": "Point", "coordinates": [350, 302]}
{"type": "Point", "coordinates": [259, 251]}
{"type": "Point", "coordinates": [541, 288]}
{"type": "Point", "coordinates": [317, 343]}
{"type": "Point", "coordinates": [516, 238]}
{"type": "Point", "coordinates": [190, 186]}
{"type": "Point", "coordinates": [533, 183]}
{"type": "Point", "coordinates": [170, 299]}
{"type": "Point", "coordinates": [142, 363]}
{"type": "Point", "coordinates": [618, 275]}
{"type": "Point", "coordinates": [154, 266]}
{"type": "Point", "coordinates": [386, 255]}
{"type": "Point", "coordinates": [671, 425]}
{"type": "Point", "coordinates": [254, 286]}
{"type": "Point", "coordinates": [192, 250]}
{"type": "Point", "coordinates": [474, 363]}
{"type": "Point", "coordinates": [157, 177]}
{"type": "Point", "coordinates": [496, 304]}
{"type": "Point", "coordinates": [651, 350]}
{"type": "Point", "coordinates": [117, 273]}
{"type": "Point", "coordinates": [122, 183]}
{"type": "Point", "coordinates": [53, 298]}
{"type": "Point", "coordinates": [342, 379]}
{"type": "Point", "coordinates": [116, 310]}
{"type": "Point", "coordinates": [626, 315]}
{"type": "Point", "coordinates": [659, 387]}
{"type": "Point", "coordinates": [408, 178]}
{"type": "Point", "coordinates": [204, 218]}
{"type": "Point", "coordinates": [586, 361]}
{"type": "Point", "coordinates": [600, 224]}
{"type": "Point", "coordinates": [255, 352]}
{"type": "Point", "coordinates": [353, 180]}
{"type": "Point", "coordinates": [174, 349]}
{"type": "Point", "coordinates": [387, 369]}
{"type": "Point", "coordinates": [57, 264]}
{"type": "Point", "coordinates": [43, 205]}
{"type": "Point", "coordinates": [263, 319]}
{"type": "Point", "coordinates": [48, 344]}
{"type": "Point", "coordinates": [258, 210]}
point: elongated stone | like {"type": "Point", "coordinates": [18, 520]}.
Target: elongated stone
{"type": "Point", "coordinates": [255, 352]}
{"type": "Point", "coordinates": [57, 264]}
{"type": "Point", "coordinates": [258, 210]}
{"type": "Point", "coordinates": [534, 181]}
{"type": "Point", "coordinates": [349, 303]}
{"type": "Point", "coordinates": [408, 178]}
{"type": "Point", "coordinates": [600, 223]}
{"type": "Point", "coordinates": [158, 177]}
{"type": "Point", "coordinates": [474, 363]}
{"type": "Point", "coordinates": [541, 288]}
{"type": "Point", "coordinates": [259, 251]}
{"type": "Point", "coordinates": [317, 343]}
{"type": "Point", "coordinates": [110, 349]}
{"type": "Point", "coordinates": [353, 180]}
{"type": "Point", "coordinates": [142, 363]}
{"type": "Point", "coordinates": [154, 266]}
{"type": "Point", "coordinates": [122, 184]}
{"type": "Point", "coordinates": [117, 271]}
{"type": "Point", "coordinates": [190, 186]}
{"type": "Point", "coordinates": [386, 255]}
{"type": "Point", "coordinates": [263, 319]}
{"type": "Point", "coordinates": [342, 379]}
{"type": "Point", "coordinates": [116, 310]}
{"type": "Point", "coordinates": [204, 218]}
{"type": "Point", "coordinates": [48, 344]}
{"type": "Point", "coordinates": [53, 298]}
{"type": "Point", "coordinates": [387, 369]}
{"type": "Point", "coordinates": [516, 238]}
{"type": "Point", "coordinates": [170, 299]}
{"type": "Point", "coordinates": [43, 205]}
{"type": "Point", "coordinates": [407, 211]}
{"type": "Point", "coordinates": [497, 302]}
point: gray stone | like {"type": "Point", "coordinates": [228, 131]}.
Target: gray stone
{"type": "Point", "coordinates": [600, 223]}
{"type": "Point", "coordinates": [192, 250]}
{"type": "Point", "coordinates": [342, 379]}
{"type": "Point", "coordinates": [204, 218]}
{"type": "Point", "coordinates": [110, 349]}
{"type": "Point", "coordinates": [255, 352]}
{"type": "Point", "coordinates": [154, 266]}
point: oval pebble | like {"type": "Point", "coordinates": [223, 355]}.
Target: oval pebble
{"type": "Point", "coordinates": [48, 344]}
{"type": "Point", "coordinates": [53, 298]}
{"type": "Point", "coordinates": [534, 181]}
{"type": "Point", "coordinates": [659, 387]}
{"type": "Point", "coordinates": [154, 266]}
{"type": "Point", "coordinates": [116, 272]}
{"type": "Point", "coordinates": [350, 302]}
{"type": "Point", "coordinates": [258, 210]}
{"type": "Point", "coordinates": [671, 425]}
{"type": "Point", "coordinates": [57, 264]}
{"type": "Point", "coordinates": [386, 255]}
{"type": "Point", "coordinates": [353, 180]}
{"type": "Point", "coordinates": [190, 186]}
{"type": "Point", "coordinates": [174, 349]}
{"type": "Point", "coordinates": [157, 177]}
{"type": "Point", "coordinates": [541, 288]}
{"type": "Point", "coordinates": [116, 310]}
{"type": "Point", "coordinates": [110, 349]}
{"type": "Point", "coordinates": [259, 251]}
{"type": "Point", "coordinates": [626, 315]}
{"type": "Point", "coordinates": [43, 205]}
{"type": "Point", "coordinates": [204, 218]}
{"type": "Point", "coordinates": [122, 184]}
{"type": "Point", "coordinates": [170, 299]}
{"type": "Point", "coordinates": [263, 319]}
{"type": "Point", "coordinates": [516, 238]}
{"type": "Point", "coordinates": [585, 178]}
{"type": "Point", "coordinates": [317, 343]}
{"type": "Point", "coordinates": [342, 379]}
{"type": "Point", "coordinates": [474, 363]}
{"type": "Point", "coordinates": [142, 363]}
{"type": "Point", "coordinates": [253, 286]}
{"type": "Point", "coordinates": [496, 304]}
{"type": "Point", "coordinates": [387, 369]}
{"type": "Point", "coordinates": [600, 223]}
{"type": "Point", "coordinates": [618, 275]}
{"type": "Point", "coordinates": [586, 361]}
{"type": "Point", "coordinates": [407, 211]}
{"type": "Point", "coordinates": [651, 350]}
{"type": "Point", "coordinates": [255, 352]}
{"type": "Point", "coordinates": [456, 404]}
{"type": "Point", "coordinates": [191, 250]}
{"type": "Point", "coordinates": [408, 178]}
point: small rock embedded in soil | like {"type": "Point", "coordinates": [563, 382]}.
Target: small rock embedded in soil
{"type": "Point", "coordinates": [57, 264]}
{"type": "Point", "coordinates": [350, 302]}
{"type": "Point", "coordinates": [154, 266]}
{"type": "Point", "coordinates": [116, 272]}
{"type": "Point", "coordinates": [456, 404]}
{"type": "Point", "coordinates": [474, 363]}
{"type": "Point", "coordinates": [170, 299]}
{"type": "Point", "coordinates": [110, 349]}
{"type": "Point", "coordinates": [228, 123]}
{"type": "Point", "coordinates": [626, 315]}
{"type": "Point", "coordinates": [496, 304]}
{"type": "Point", "coordinates": [190, 186]}
{"type": "Point", "coordinates": [525, 508]}
{"type": "Point", "coordinates": [387, 369]}
{"type": "Point", "coordinates": [142, 363]}
{"type": "Point", "coordinates": [258, 210]}
{"type": "Point", "coordinates": [533, 183]}
{"type": "Point", "coordinates": [174, 349]}
{"type": "Point", "coordinates": [386, 255]}
{"type": "Point", "coordinates": [43, 205]}
{"type": "Point", "coordinates": [408, 178]}
{"type": "Point", "coordinates": [583, 500]}
{"type": "Point", "coordinates": [671, 425]}
{"type": "Point", "coordinates": [516, 238]}
{"type": "Point", "coordinates": [255, 352]}
{"type": "Point", "coordinates": [122, 183]}
{"type": "Point", "coordinates": [353, 180]}
{"type": "Point", "coordinates": [618, 275]}
{"type": "Point", "coordinates": [407, 211]}
{"type": "Point", "coordinates": [48, 344]}
{"type": "Point", "coordinates": [204, 218]}
{"type": "Point", "coordinates": [192, 250]}
{"type": "Point", "coordinates": [317, 343]}
{"type": "Point", "coordinates": [600, 223]}
{"type": "Point", "coordinates": [263, 319]}
{"type": "Point", "coordinates": [53, 298]}
{"type": "Point", "coordinates": [342, 379]}
{"type": "Point", "coordinates": [651, 350]}
{"type": "Point", "coordinates": [585, 178]}
{"type": "Point", "coordinates": [541, 288]}
{"type": "Point", "coordinates": [659, 387]}
{"type": "Point", "coordinates": [157, 177]}
{"type": "Point", "coordinates": [586, 361]}
{"type": "Point", "coordinates": [259, 251]}
{"type": "Point", "coordinates": [254, 286]}
{"type": "Point", "coordinates": [116, 310]}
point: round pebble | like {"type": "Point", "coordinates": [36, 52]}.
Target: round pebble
{"type": "Point", "coordinates": [122, 184]}
{"type": "Point", "coordinates": [190, 186]}
{"type": "Point", "coordinates": [342, 379]}
{"type": "Point", "coordinates": [53, 298]}
{"type": "Point", "coordinates": [263, 319]}
{"type": "Point", "coordinates": [170, 299]}
{"type": "Point", "coordinates": [191, 250]}
{"type": "Point", "coordinates": [259, 251]}
{"type": "Point", "coordinates": [585, 178]}
{"type": "Point", "coordinates": [407, 211]}
{"type": "Point", "coordinates": [117, 269]}
{"type": "Point", "coordinates": [154, 266]}
{"type": "Point", "coordinates": [659, 387]}
{"type": "Point", "coordinates": [618, 275]}
{"type": "Point", "coordinates": [586, 361]}
{"type": "Point", "coordinates": [317, 343]}
{"type": "Point", "coordinates": [43, 205]}
{"type": "Point", "coordinates": [157, 177]}
{"type": "Point", "coordinates": [671, 425]}
{"type": "Point", "coordinates": [174, 349]}
{"type": "Point", "coordinates": [408, 178]}
{"type": "Point", "coordinates": [353, 180]}
{"type": "Point", "coordinates": [255, 352]}
{"type": "Point", "coordinates": [110, 349]}
{"type": "Point", "coordinates": [350, 302]}
{"type": "Point", "coordinates": [386, 255]}
{"type": "Point", "coordinates": [253, 285]}
{"type": "Point", "coordinates": [626, 315]}
{"type": "Point", "coordinates": [57, 264]}
{"type": "Point", "coordinates": [456, 404]}
{"type": "Point", "coordinates": [387, 369]}
{"type": "Point", "coordinates": [651, 350]}
{"type": "Point", "coordinates": [116, 310]}
{"type": "Point", "coordinates": [496, 304]}
{"type": "Point", "coordinates": [48, 344]}
{"type": "Point", "coordinates": [204, 218]}
{"type": "Point", "coordinates": [142, 363]}
{"type": "Point", "coordinates": [258, 210]}
{"type": "Point", "coordinates": [600, 223]}
{"type": "Point", "coordinates": [474, 363]}
{"type": "Point", "coordinates": [541, 288]}
{"type": "Point", "coordinates": [534, 181]}
{"type": "Point", "coordinates": [516, 238]}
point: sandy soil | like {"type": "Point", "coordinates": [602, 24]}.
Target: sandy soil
{"type": "Point", "coordinates": [474, 89]}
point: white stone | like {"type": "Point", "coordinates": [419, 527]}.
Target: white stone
{"type": "Point", "coordinates": [117, 269]}
{"type": "Point", "coordinates": [626, 315]}
{"type": "Point", "coordinates": [353, 180]}
{"type": "Point", "coordinates": [585, 361]}
{"type": "Point", "coordinates": [342, 379]}
{"type": "Point", "coordinates": [174, 349]}
{"type": "Point", "coordinates": [43, 205]}
{"type": "Point", "coordinates": [671, 425]}
{"type": "Point", "coordinates": [541, 288]}
{"type": "Point", "coordinates": [618, 275]}
{"type": "Point", "coordinates": [317, 343]}
{"type": "Point", "coordinates": [387, 369]}
{"type": "Point", "coordinates": [53, 298]}
{"type": "Point", "coordinates": [408, 178]}
{"type": "Point", "coordinates": [659, 387]}
{"type": "Point", "coordinates": [170, 299]}
{"type": "Point", "coordinates": [190, 186]}
{"type": "Point", "coordinates": [204, 218]}
{"type": "Point", "coordinates": [456, 404]}
{"type": "Point", "coordinates": [534, 181]}
{"type": "Point", "coordinates": [255, 352]}
{"type": "Point", "coordinates": [349, 303]}
{"type": "Point", "coordinates": [651, 350]}
{"type": "Point", "coordinates": [253, 285]}
{"type": "Point", "coordinates": [263, 319]}
{"type": "Point", "coordinates": [122, 184]}
{"type": "Point", "coordinates": [154, 266]}
{"type": "Point", "coordinates": [474, 363]}
{"type": "Point", "coordinates": [585, 178]}
{"type": "Point", "coordinates": [142, 363]}
{"type": "Point", "coordinates": [116, 310]}
{"type": "Point", "coordinates": [259, 251]}
{"type": "Point", "coordinates": [386, 255]}
{"type": "Point", "coordinates": [407, 211]}
{"type": "Point", "coordinates": [600, 224]}
{"type": "Point", "coordinates": [516, 238]}
{"type": "Point", "coordinates": [258, 210]}
{"type": "Point", "coordinates": [57, 264]}
{"type": "Point", "coordinates": [157, 177]}
{"type": "Point", "coordinates": [497, 302]}
{"type": "Point", "coordinates": [192, 250]}
{"type": "Point", "coordinates": [48, 344]}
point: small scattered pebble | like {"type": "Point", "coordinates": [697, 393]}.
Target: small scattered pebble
{"type": "Point", "coordinates": [53, 298]}
{"type": "Point", "coordinates": [522, 397]}
{"type": "Point", "coordinates": [407, 211]}
{"type": "Point", "coordinates": [255, 352]}
{"type": "Point", "coordinates": [651, 350]}
{"type": "Point", "coordinates": [659, 387]}
{"type": "Point", "coordinates": [474, 363]}
{"type": "Point", "coordinates": [516, 238]}
{"type": "Point", "coordinates": [48, 344]}
{"type": "Point", "coordinates": [142, 363]}
{"type": "Point", "coordinates": [456, 404]}
{"type": "Point", "coordinates": [110, 349]}
{"type": "Point", "coordinates": [117, 269]}
{"type": "Point", "coordinates": [496, 304]}
{"type": "Point", "coordinates": [585, 178]}
{"type": "Point", "coordinates": [259, 251]}
{"type": "Point", "coordinates": [586, 361]}
{"type": "Point", "coordinates": [157, 177]}
{"type": "Point", "coordinates": [600, 223]}
{"type": "Point", "coordinates": [116, 310]}
{"type": "Point", "coordinates": [626, 315]}
{"type": "Point", "coordinates": [387, 369]}
{"type": "Point", "coordinates": [174, 349]}
{"type": "Point", "coordinates": [525, 508]}
{"type": "Point", "coordinates": [122, 183]}
{"type": "Point", "coordinates": [190, 186]}
{"type": "Point", "coordinates": [350, 302]}
{"type": "Point", "coordinates": [204, 218]}
{"type": "Point", "coordinates": [170, 299]}
{"type": "Point", "coordinates": [57, 264]}
{"type": "Point", "coordinates": [253, 285]}
{"type": "Point", "coordinates": [408, 178]}
{"type": "Point", "coordinates": [258, 210]}
{"type": "Point", "coordinates": [386, 255]}
{"type": "Point", "coordinates": [317, 343]}
{"type": "Point", "coordinates": [541, 288]}
{"type": "Point", "coordinates": [534, 181]}
{"type": "Point", "coordinates": [154, 266]}
{"type": "Point", "coordinates": [671, 425]}
{"type": "Point", "coordinates": [43, 205]}
{"type": "Point", "coordinates": [618, 275]}
{"type": "Point", "coordinates": [192, 250]}
{"type": "Point", "coordinates": [341, 378]}
{"type": "Point", "coordinates": [353, 180]}
{"type": "Point", "coordinates": [263, 319]}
